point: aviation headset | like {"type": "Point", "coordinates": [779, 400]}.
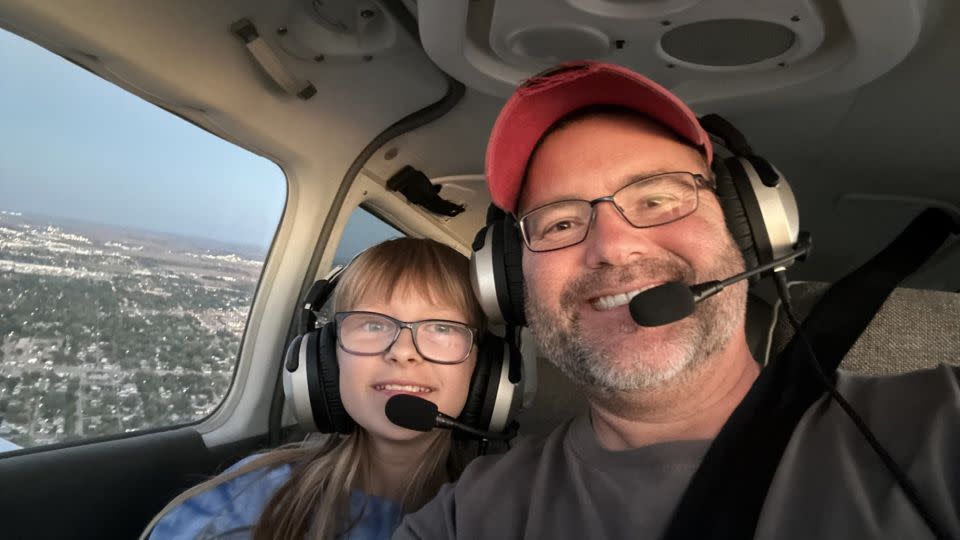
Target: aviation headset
{"type": "Point", "coordinates": [311, 374]}
{"type": "Point", "coordinates": [758, 205]}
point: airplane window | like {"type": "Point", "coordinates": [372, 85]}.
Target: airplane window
{"type": "Point", "coordinates": [362, 230]}
{"type": "Point", "coordinates": [131, 243]}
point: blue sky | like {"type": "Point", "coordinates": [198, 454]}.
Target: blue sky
{"type": "Point", "coordinates": [73, 145]}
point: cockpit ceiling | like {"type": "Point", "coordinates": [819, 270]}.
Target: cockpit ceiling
{"type": "Point", "coordinates": [854, 101]}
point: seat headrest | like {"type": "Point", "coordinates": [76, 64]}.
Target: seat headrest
{"type": "Point", "coordinates": [914, 329]}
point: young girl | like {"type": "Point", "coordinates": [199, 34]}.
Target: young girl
{"type": "Point", "coordinates": [407, 322]}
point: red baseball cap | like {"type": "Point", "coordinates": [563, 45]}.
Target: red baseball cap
{"type": "Point", "coordinates": [547, 97]}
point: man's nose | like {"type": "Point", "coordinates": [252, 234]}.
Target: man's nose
{"type": "Point", "coordinates": [612, 240]}
{"type": "Point", "coordinates": [403, 349]}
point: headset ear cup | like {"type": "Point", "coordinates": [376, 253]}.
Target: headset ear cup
{"type": "Point", "coordinates": [738, 223]}
{"type": "Point", "coordinates": [496, 273]}
{"type": "Point", "coordinates": [758, 203]}
{"type": "Point", "coordinates": [291, 358]}
{"type": "Point", "coordinates": [473, 409]}
{"type": "Point", "coordinates": [507, 256]}
{"type": "Point", "coordinates": [295, 391]}
{"type": "Point", "coordinates": [329, 412]}
{"type": "Point", "coordinates": [513, 270]}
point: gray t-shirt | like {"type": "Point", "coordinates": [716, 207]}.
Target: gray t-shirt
{"type": "Point", "coordinates": [829, 484]}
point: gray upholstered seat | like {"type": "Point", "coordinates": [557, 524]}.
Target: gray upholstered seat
{"type": "Point", "coordinates": [914, 329]}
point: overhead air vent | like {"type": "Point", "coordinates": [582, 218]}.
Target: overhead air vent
{"type": "Point", "coordinates": [551, 44]}
{"type": "Point", "coordinates": [342, 17]}
{"type": "Point", "coordinates": [727, 42]}
{"type": "Point", "coordinates": [330, 30]}
{"type": "Point", "coordinates": [632, 9]}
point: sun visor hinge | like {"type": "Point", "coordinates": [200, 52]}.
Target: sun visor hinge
{"type": "Point", "coordinates": [416, 187]}
{"type": "Point", "coordinates": [270, 62]}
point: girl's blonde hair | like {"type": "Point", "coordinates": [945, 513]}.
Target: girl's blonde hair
{"type": "Point", "coordinates": [315, 501]}
{"type": "Point", "coordinates": [404, 265]}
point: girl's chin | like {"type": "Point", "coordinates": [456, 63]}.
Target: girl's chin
{"type": "Point", "coordinates": [396, 434]}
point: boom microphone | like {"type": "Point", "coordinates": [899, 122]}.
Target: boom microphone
{"type": "Point", "coordinates": [418, 414]}
{"type": "Point", "coordinates": [412, 412]}
{"type": "Point", "coordinates": [673, 301]}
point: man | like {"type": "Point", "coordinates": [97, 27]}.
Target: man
{"type": "Point", "coordinates": [658, 396]}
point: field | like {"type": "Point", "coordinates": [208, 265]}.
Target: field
{"type": "Point", "coordinates": [105, 330]}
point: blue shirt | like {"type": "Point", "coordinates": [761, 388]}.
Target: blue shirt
{"type": "Point", "coordinates": [229, 510]}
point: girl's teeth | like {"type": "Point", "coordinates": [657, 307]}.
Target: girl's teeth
{"type": "Point", "coordinates": [403, 388]}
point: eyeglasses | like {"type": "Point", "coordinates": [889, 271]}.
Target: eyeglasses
{"type": "Point", "coordinates": [646, 202]}
{"type": "Point", "coordinates": [366, 333]}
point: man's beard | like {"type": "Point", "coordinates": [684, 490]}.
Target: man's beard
{"type": "Point", "coordinates": [596, 361]}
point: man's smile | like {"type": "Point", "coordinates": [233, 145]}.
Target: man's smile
{"type": "Point", "coordinates": [607, 301]}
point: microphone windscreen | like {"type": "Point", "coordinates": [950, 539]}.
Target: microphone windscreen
{"type": "Point", "coordinates": [662, 304]}
{"type": "Point", "coordinates": [411, 412]}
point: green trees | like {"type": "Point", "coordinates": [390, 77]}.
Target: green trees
{"type": "Point", "coordinates": [111, 343]}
